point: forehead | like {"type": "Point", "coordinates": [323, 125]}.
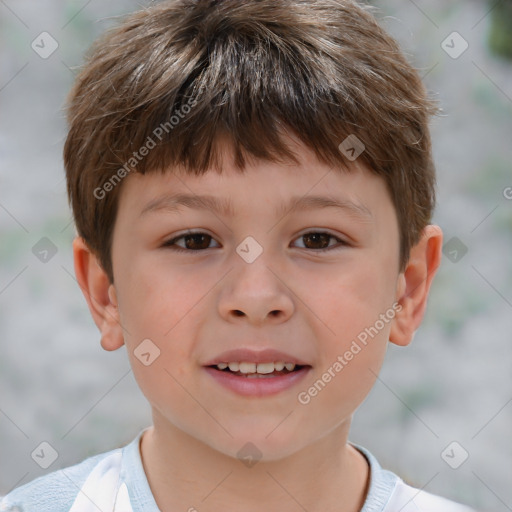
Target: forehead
{"type": "Point", "coordinates": [275, 185]}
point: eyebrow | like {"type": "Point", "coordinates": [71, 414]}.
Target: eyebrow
{"type": "Point", "coordinates": [223, 206]}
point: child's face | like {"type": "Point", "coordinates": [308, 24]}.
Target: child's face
{"type": "Point", "coordinates": [293, 298]}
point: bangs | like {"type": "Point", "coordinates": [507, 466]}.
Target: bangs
{"type": "Point", "coordinates": [250, 104]}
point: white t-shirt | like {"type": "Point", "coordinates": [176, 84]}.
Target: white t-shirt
{"type": "Point", "coordinates": [115, 482]}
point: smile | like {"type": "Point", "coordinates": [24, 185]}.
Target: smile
{"type": "Point", "coordinates": [257, 379]}
{"type": "Point", "coordinates": [258, 370]}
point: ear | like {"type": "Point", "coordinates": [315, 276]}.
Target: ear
{"type": "Point", "coordinates": [414, 284]}
{"type": "Point", "coordinates": [99, 293]}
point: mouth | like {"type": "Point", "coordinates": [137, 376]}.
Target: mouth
{"type": "Point", "coordinates": [255, 372]}
{"type": "Point", "coordinates": [257, 379]}
{"type": "Point", "coordinates": [251, 370]}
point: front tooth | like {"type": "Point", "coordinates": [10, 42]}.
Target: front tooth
{"type": "Point", "coordinates": [289, 366]}
{"type": "Point", "coordinates": [246, 367]}
{"type": "Point", "coordinates": [265, 367]}
{"type": "Point", "coordinates": [278, 366]}
{"type": "Point", "coordinates": [233, 367]}
{"type": "Point", "coordinates": [222, 366]}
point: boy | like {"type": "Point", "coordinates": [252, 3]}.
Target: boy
{"type": "Point", "coordinates": [269, 129]}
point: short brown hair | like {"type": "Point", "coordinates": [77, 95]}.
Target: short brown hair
{"type": "Point", "coordinates": [246, 70]}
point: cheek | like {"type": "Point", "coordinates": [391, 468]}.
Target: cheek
{"type": "Point", "coordinates": [158, 307]}
{"type": "Point", "coordinates": [353, 301]}
{"type": "Point", "coordinates": [353, 334]}
{"type": "Point", "coordinates": [155, 300]}
{"type": "Point", "coordinates": [162, 305]}
{"type": "Point", "coordinates": [351, 350]}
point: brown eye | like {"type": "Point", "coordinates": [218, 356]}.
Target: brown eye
{"type": "Point", "coordinates": [191, 242]}
{"type": "Point", "coordinates": [319, 241]}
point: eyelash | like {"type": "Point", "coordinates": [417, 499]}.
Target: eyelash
{"type": "Point", "coordinates": [171, 244]}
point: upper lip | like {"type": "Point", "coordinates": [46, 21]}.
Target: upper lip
{"type": "Point", "coordinates": [248, 355]}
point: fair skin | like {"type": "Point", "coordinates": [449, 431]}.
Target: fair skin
{"type": "Point", "coordinates": [294, 298]}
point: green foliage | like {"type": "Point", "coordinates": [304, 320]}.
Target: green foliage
{"type": "Point", "coordinates": [500, 37]}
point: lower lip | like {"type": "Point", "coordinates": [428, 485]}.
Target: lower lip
{"type": "Point", "coordinates": [257, 386]}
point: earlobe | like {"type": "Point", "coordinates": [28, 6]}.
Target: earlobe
{"type": "Point", "coordinates": [99, 293]}
{"type": "Point", "coordinates": [414, 284]}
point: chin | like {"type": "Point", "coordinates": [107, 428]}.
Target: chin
{"type": "Point", "coordinates": [254, 446]}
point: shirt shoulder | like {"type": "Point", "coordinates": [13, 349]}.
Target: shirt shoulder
{"type": "Point", "coordinates": [410, 499]}
{"type": "Point", "coordinates": [53, 492]}
{"type": "Point", "coordinates": [389, 493]}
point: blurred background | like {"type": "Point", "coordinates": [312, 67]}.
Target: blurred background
{"type": "Point", "coordinates": [440, 414]}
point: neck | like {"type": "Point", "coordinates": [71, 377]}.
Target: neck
{"type": "Point", "coordinates": [186, 474]}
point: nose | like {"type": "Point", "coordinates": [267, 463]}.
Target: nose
{"type": "Point", "coordinates": [256, 293]}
